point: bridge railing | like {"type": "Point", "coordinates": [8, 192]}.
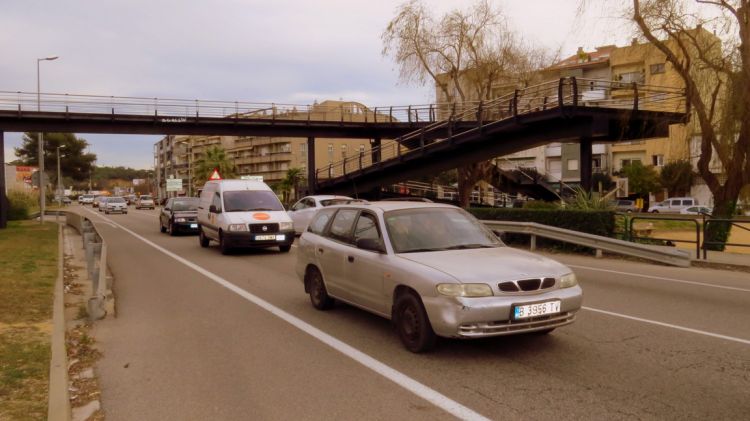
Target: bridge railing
{"type": "Point", "coordinates": [548, 95]}
{"type": "Point", "coordinates": [26, 103]}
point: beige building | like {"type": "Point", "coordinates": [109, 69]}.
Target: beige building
{"type": "Point", "coordinates": [270, 157]}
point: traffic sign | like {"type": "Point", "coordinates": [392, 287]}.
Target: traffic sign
{"type": "Point", "coordinates": [174, 184]}
{"type": "Point", "coordinates": [215, 175]}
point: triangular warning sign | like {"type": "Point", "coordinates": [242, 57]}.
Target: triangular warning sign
{"type": "Point", "coordinates": [215, 175]}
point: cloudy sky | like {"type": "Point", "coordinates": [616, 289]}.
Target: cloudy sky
{"type": "Point", "coordinates": [290, 51]}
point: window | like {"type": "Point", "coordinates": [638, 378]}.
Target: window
{"type": "Point", "coordinates": [216, 201]}
{"type": "Point", "coordinates": [572, 165]}
{"type": "Point", "coordinates": [341, 227]}
{"type": "Point", "coordinates": [343, 151]}
{"type": "Point", "coordinates": [318, 225]}
{"type": "Point", "coordinates": [361, 148]}
{"type": "Point", "coordinates": [625, 162]}
{"type": "Point", "coordinates": [367, 227]}
{"type": "Point", "coordinates": [330, 152]}
{"type": "Point", "coordinates": [251, 200]}
{"type": "Point", "coordinates": [657, 68]}
{"type": "Point", "coordinates": [596, 163]}
{"type": "Point", "coordinates": [688, 202]}
{"type": "Point", "coordinates": [657, 160]}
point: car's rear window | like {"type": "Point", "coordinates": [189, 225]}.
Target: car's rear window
{"type": "Point", "coordinates": [332, 202]}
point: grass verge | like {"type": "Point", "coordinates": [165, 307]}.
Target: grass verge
{"type": "Point", "coordinates": [28, 269]}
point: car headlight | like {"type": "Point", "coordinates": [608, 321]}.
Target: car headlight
{"type": "Point", "coordinates": [286, 226]}
{"type": "Point", "coordinates": [465, 290]}
{"type": "Point", "coordinates": [182, 220]}
{"type": "Point", "coordinates": [569, 280]}
{"type": "Point", "coordinates": [237, 227]}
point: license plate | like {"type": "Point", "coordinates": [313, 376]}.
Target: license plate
{"type": "Point", "coordinates": [265, 237]}
{"type": "Point", "coordinates": [534, 310]}
{"type": "Point", "coordinates": [193, 225]}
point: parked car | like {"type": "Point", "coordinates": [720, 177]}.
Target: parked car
{"type": "Point", "coordinates": [98, 201]}
{"type": "Point", "coordinates": [115, 204]}
{"type": "Point", "coordinates": [243, 213]}
{"type": "Point", "coordinates": [131, 198]}
{"type": "Point", "coordinates": [697, 210]}
{"type": "Point", "coordinates": [673, 205]}
{"type": "Point", "coordinates": [458, 281]}
{"type": "Point", "coordinates": [145, 202]}
{"type": "Point", "coordinates": [86, 199]}
{"type": "Point", "coordinates": [303, 211]}
{"type": "Point", "coordinates": [180, 214]}
{"type": "Point", "coordinates": [622, 205]}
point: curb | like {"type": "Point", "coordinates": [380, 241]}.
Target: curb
{"type": "Point", "coordinates": [58, 407]}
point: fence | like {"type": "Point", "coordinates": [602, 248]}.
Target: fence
{"type": "Point", "coordinates": [101, 301]}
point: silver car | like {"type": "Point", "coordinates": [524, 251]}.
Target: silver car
{"type": "Point", "coordinates": [115, 204]}
{"type": "Point", "coordinates": [304, 210]}
{"type": "Point", "coordinates": [434, 270]}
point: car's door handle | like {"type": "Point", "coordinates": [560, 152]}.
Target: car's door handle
{"type": "Point", "coordinates": [350, 258]}
{"type": "Point", "coordinates": [320, 250]}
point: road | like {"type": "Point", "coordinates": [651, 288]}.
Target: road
{"type": "Point", "coordinates": [188, 342]}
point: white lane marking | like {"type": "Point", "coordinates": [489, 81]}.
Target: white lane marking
{"type": "Point", "coordinates": [654, 322]}
{"type": "Point", "coordinates": [436, 398]}
{"type": "Point", "coordinates": [682, 281]}
{"type": "Point", "coordinates": [102, 219]}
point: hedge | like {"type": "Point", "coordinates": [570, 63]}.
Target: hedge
{"type": "Point", "coordinates": [592, 222]}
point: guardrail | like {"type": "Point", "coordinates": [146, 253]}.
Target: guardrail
{"type": "Point", "coordinates": [667, 255]}
{"type": "Point", "coordinates": [100, 303]}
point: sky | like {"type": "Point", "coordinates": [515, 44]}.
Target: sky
{"type": "Point", "coordinates": [283, 51]}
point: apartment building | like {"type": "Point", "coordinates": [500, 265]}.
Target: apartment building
{"type": "Point", "coordinates": [269, 157]}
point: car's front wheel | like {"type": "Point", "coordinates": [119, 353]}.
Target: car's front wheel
{"type": "Point", "coordinates": [162, 228]}
{"type": "Point", "coordinates": [412, 324]}
{"type": "Point", "coordinates": [223, 246]}
{"type": "Point", "coordinates": [171, 229]}
{"type": "Point", "coordinates": [318, 294]}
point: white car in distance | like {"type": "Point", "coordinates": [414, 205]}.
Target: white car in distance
{"type": "Point", "coordinates": [303, 211]}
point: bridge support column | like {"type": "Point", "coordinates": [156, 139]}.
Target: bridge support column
{"type": "Point", "coordinates": [3, 199]}
{"type": "Point", "coordinates": [311, 165]}
{"type": "Point", "coordinates": [585, 163]}
{"type": "Point", "coordinates": [375, 150]}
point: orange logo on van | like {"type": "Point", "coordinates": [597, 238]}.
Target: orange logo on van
{"type": "Point", "coordinates": [261, 216]}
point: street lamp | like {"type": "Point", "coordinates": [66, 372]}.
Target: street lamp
{"type": "Point", "coordinates": [39, 138]}
{"type": "Point", "coordinates": [59, 180]}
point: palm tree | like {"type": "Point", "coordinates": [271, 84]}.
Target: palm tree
{"type": "Point", "coordinates": [289, 185]}
{"type": "Point", "coordinates": [215, 158]}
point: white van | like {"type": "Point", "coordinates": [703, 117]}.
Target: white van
{"type": "Point", "coordinates": [673, 205]}
{"type": "Point", "coordinates": [243, 213]}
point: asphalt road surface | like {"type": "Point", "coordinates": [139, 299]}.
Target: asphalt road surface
{"type": "Point", "coordinates": [191, 340]}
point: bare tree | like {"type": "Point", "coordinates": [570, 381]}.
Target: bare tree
{"type": "Point", "coordinates": [715, 68]}
{"type": "Point", "coordinates": [465, 54]}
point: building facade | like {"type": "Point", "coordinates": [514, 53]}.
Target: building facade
{"type": "Point", "coordinates": [269, 157]}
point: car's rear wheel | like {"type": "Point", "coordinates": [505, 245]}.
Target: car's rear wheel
{"type": "Point", "coordinates": [285, 249]}
{"type": "Point", "coordinates": [202, 239]}
{"type": "Point", "coordinates": [318, 294]}
{"type": "Point", "coordinates": [412, 323]}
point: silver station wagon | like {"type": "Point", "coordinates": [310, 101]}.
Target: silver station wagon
{"type": "Point", "coordinates": [434, 270]}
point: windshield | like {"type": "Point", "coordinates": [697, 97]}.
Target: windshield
{"type": "Point", "coordinates": [185, 204]}
{"type": "Point", "coordinates": [116, 200]}
{"type": "Point", "coordinates": [436, 229]}
{"type": "Point", "coordinates": [251, 200]}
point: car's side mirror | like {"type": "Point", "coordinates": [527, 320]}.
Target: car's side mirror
{"type": "Point", "coordinates": [213, 209]}
{"type": "Point", "coordinates": [166, 209]}
{"type": "Point", "coordinates": [370, 244]}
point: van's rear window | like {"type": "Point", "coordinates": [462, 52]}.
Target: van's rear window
{"type": "Point", "coordinates": [251, 200]}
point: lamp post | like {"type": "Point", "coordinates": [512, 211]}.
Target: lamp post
{"type": "Point", "coordinates": [39, 138]}
{"type": "Point", "coordinates": [59, 180]}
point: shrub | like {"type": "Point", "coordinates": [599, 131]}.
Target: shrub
{"type": "Point", "coordinates": [21, 204]}
{"type": "Point", "coordinates": [540, 204]}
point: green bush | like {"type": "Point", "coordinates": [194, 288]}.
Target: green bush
{"type": "Point", "coordinates": [592, 222]}
{"type": "Point", "coordinates": [22, 204]}
{"type": "Point", "coordinates": [540, 204]}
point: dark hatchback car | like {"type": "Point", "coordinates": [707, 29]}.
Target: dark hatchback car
{"type": "Point", "coordinates": [179, 214]}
